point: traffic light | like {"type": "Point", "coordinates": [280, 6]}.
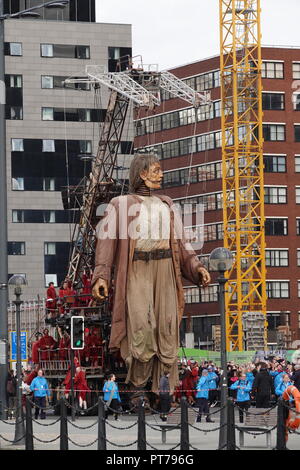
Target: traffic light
{"type": "Point", "coordinates": [77, 332]}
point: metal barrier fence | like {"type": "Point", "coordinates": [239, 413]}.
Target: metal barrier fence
{"type": "Point", "coordinates": [141, 442]}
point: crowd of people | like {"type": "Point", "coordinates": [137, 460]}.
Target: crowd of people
{"type": "Point", "coordinates": [260, 383]}
{"type": "Point", "coordinates": [46, 348]}
{"type": "Point", "coordinates": [257, 384]}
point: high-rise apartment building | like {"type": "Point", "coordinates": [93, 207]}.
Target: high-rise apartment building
{"type": "Point", "coordinates": [52, 129]}
{"type": "Point", "coordinates": [189, 145]}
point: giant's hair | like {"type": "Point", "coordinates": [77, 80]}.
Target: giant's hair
{"type": "Point", "coordinates": [139, 163]}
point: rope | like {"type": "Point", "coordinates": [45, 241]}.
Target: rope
{"type": "Point", "coordinates": [155, 448]}
{"type": "Point", "coordinates": [256, 433]}
{"type": "Point", "coordinates": [207, 430]}
{"type": "Point", "coordinates": [12, 442]}
{"type": "Point", "coordinates": [176, 426]}
{"type": "Point", "coordinates": [46, 442]}
{"type": "Point", "coordinates": [83, 445]}
{"type": "Point", "coordinates": [82, 427]}
{"type": "Point", "coordinates": [42, 424]}
{"type": "Point", "coordinates": [256, 414]}
{"type": "Point", "coordinates": [121, 429]}
{"type": "Point", "coordinates": [121, 445]}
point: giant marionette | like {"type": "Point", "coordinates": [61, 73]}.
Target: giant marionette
{"type": "Point", "coordinates": [141, 248]}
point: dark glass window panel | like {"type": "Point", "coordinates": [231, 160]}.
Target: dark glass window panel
{"type": "Point", "coordinates": [14, 96]}
{"type": "Point", "coordinates": [16, 248]}
{"type": "Point", "coordinates": [64, 51]}
{"type": "Point", "coordinates": [277, 227]}
{"type": "Point", "coordinates": [82, 52]}
{"type": "Point", "coordinates": [273, 101]}
{"type": "Point", "coordinates": [13, 112]}
{"type": "Point", "coordinates": [126, 147]}
{"type": "Point", "coordinates": [297, 133]}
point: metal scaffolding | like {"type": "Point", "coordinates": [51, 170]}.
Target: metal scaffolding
{"type": "Point", "coordinates": [242, 167]}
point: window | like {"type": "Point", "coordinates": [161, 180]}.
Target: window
{"type": "Point", "coordinates": [49, 217]}
{"type": "Point", "coordinates": [47, 81]}
{"type": "Point", "coordinates": [298, 257]}
{"type": "Point", "coordinates": [48, 145]}
{"type": "Point", "coordinates": [298, 226]}
{"type": "Point", "coordinates": [277, 258]}
{"type": "Point", "coordinates": [299, 290]}
{"type": "Point", "coordinates": [46, 50]}
{"type": "Point", "coordinates": [18, 184]}
{"type": "Point", "coordinates": [65, 51]}
{"type": "Point", "coordinates": [17, 216]}
{"type": "Point", "coordinates": [275, 164]}
{"type": "Point", "coordinates": [85, 146]}
{"type": "Point", "coordinates": [272, 70]}
{"type": "Point", "coordinates": [47, 114]}
{"type": "Point", "coordinates": [296, 70]}
{"type": "Point", "coordinates": [209, 294]}
{"type": "Point", "coordinates": [48, 184]}
{"type": "Point", "coordinates": [13, 48]}
{"type": "Point", "coordinates": [14, 112]}
{"type": "Point", "coordinates": [13, 81]}
{"type": "Point", "coordinates": [274, 132]}
{"type": "Point", "coordinates": [50, 248]}
{"type": "Point", "coordinates": [17, 145]}
{"type": "Point", "coordinates": [297, 194]}
{"type": "Point", "coordinates": [273, 101]}
{"type": "Point", "coordinates": [192, 295]}
{"type": "Point", "coordinates": [297, 164]}
{"type": "Point", "coordinates": [16, 248]}
{"type": "Point", "coordinates": [51, 278]}
{"type": "Point", "coordinates": [278, 289]}
{"type": "Point", "coordinates": [297, 133]}
{"type": "Point", "coordinates": [275, 195]}
{"type": "Point", "coordinates": [276, 227]}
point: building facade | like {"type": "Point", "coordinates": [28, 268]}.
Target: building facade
{"type": "Point", "coordinates": [189, 145]}
{"type": "Point", "coordinates": [52, 129]}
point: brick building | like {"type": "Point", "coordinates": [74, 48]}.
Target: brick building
{"type": "Point", "coordinates": [189, 145]}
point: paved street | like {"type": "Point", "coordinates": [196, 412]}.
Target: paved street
{"type": "Point", "coordinates": [207, 440]}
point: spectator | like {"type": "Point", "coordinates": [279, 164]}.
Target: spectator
{"type": "Point", "coordinates": [263, 387]}
{"type": "Point", "coordinates": [283, 385]}
{"type": "Point", "coordinates": [164, 396]}
{"type": "Point", "coordinates": [39, 387]}
{"type": "Point", "coordinates": [232, 378]}
{"type": "Point", "coordinates": [202, 388]}
{"type": "Point", "coordinates": [243, 400]}
{"type": "Point", "coordinates": [212, 381]}
{"type": "Point", "coordinates": [35, 348]}
{"type": "Point", "coordinates": [296, 376]}
{"type": "Point", "coordinates": [111, 395]}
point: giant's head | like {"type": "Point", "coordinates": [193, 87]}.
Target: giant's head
{"type": "Point", "coordinates": [145, 168]}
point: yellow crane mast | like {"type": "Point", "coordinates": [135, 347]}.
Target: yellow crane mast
{"type": "Point", "coordinates": [243, 172]}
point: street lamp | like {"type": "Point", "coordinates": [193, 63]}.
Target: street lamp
{"type": "Point", "coordinates": [221, 260]}
{"type": "Point", "coordinates": [18, 281]}
{"type": "Point", "coordinates": [3, 195]}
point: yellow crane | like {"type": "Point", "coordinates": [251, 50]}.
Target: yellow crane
{"type": "Point", "coordinates": [243, 171]}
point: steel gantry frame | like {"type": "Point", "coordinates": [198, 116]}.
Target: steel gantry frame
{"type": "Point", "coordinates": [143, 89]}
{"type": "Point", "coordinates": [242, 165]}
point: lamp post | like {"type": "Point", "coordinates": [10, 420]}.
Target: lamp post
{"type": "Point", "coordinates": [27, 13]}
{"type": "Point", "coordinates": [221, 260]}
{"type": "Point", "coordinates": [18, 281]}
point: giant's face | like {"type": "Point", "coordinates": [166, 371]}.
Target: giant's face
{"type": "Point", "coordinates": [153, 177]}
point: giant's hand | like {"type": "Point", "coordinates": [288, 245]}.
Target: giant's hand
{"type": "Point", "coordinates": [205, 277]}
{"type": "Point", "coordinates": [100, 289]}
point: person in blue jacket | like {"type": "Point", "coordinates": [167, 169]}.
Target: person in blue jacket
{"type": "Point", "coordinates": [284, 384]}
{"type": "Point", "coordinates": [202, 394]}
{"type": "Point", "coordinates": [243, 388]}
{"type": "Point", "coordinates": [213, 393]}
{"type": "Point", "coordinates": [111, 395]}
{"type": "Point", "coordinates": [39, 387]}
{"type": "Point", "coordinates": [278, 377]}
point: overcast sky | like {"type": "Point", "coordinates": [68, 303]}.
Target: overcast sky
{"type": "Point", "coordinates": [176, 32]}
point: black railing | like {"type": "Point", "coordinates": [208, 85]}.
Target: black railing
{"type": "Point", "coordinates": [141, 442]}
